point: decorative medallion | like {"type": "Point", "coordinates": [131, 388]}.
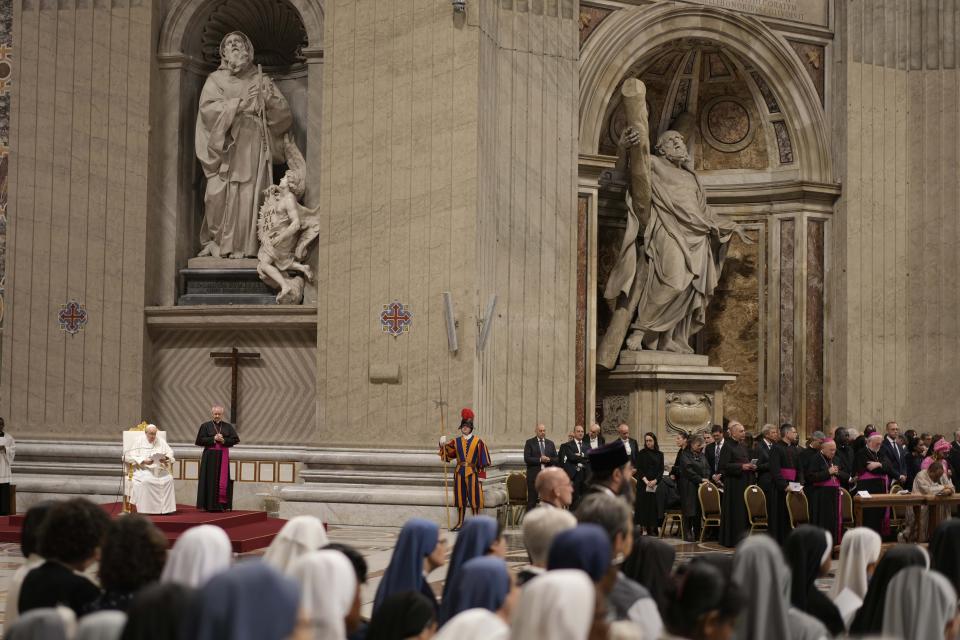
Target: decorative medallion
{"type": "Point", "coordinates": [72, 317]}
{"type": "Point", "coordinates": [689, 411]}
{"type": "Point", "coordinates": [726, 124]}
{"type": "Point", "coordinates": [395, 318]}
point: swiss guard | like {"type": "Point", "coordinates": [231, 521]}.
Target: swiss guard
{"type": "Point", "coordinates": [472, 458]}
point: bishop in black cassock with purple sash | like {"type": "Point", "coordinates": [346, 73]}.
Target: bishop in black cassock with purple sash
{"type": "Point", "coordinates": [873, 474]}
{"type": "Point", "coordinates": [738, 474]}
{"type": "Point", "coordinates": [784, 469]}
{"type": "Point", "coordinates": [214, 486]}
{"type": "Point", "coordinates": [824, 480]}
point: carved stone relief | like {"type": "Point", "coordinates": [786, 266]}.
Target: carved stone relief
{"type": "Point", "coordinates": [689, 411]}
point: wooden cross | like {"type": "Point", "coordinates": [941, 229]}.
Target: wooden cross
{"type": "Point", "coordinates": [235, 356]}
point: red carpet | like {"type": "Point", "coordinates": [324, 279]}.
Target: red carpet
{"type": "Point", "coordinates": [248, 530]}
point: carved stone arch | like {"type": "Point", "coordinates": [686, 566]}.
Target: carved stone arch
{"type": "Point", "coordinates": [187, 34]}
{"type": "Point", "coordinates": [185, 18]}
{"type": "Point", "coordinates": [631, 34]}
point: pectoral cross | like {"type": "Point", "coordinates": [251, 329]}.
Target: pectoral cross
{"type": "Point", "coordinates": [235, 356]}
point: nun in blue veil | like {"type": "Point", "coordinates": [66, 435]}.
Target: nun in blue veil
{"type": "Point", "coordinates": [419, 550]}
{"type": "Point", "coordinates": [481, 583]}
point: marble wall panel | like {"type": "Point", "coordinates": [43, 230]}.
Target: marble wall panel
{"type": "Point", "coordinates": [732, 337]}
{"type": "Point", "coordinates": [583, 305]}
{"type": "Point", "coordinates": [78, 183]}
{"type": "Point", "coordinates": [813, 333]}
{"type": "Point", "coordinates": [787, 329]}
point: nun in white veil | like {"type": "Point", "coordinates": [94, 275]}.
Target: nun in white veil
{"type": "Point", "coordinates": [920, 604]}
{"type": "Point", "coordinates": [762, 573]}
{"type": "Point", "coordinates": [859, 554]}
{"type": "Point", "coordinates": [557, 605]}
{"type": "Point", "coordinates": [198, 555]}
{"type": "Point", "coordinates": [474, 624]}
{"type": "Point", "coordinates": [298, 537]}
{"type": "Point", "coordinates": [328, 592]}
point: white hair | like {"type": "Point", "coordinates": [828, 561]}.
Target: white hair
{"type": "Point", "coordinates": [540, 527]}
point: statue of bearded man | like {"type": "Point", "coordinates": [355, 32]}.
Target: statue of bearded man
{"type": "Point", "coordinates": [243, 116]}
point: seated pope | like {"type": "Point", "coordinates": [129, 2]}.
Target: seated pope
{"type": "Point", "coordinates": [152, 459]}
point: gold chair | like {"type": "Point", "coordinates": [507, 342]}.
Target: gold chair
{"type": "Point", "coordinates": [710, 513]}
{"type": "Point", "coordinates": [672, 518]}
{"type": "Point", "coordinates": [756, 503]}
{"type": "Point", "coordinates": [516, 497]}
{"type": "Point", "coordinates": [798, 508]}
{"type": "Point", "coordinates": [898, 515]}
{"type": "Point", "coordinates": [846, 509]}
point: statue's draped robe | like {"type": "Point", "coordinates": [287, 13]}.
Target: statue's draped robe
{"type": "Point", "coordinates": [215, 488]}
{"type": "Point", "coordinates": [153, 490]}
{"type": "Point", "coordinates": [684, 245]}
{"type": "Point", "coordinates": [233, 153]}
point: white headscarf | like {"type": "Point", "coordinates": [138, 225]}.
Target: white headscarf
{"type": "Point", "coordinates": [198, 555]}
{"type": "Point", "coordinates": [919, 604]}
{"type": "Point", "coordinates": [299, 536]}
{"type": "Point", "coordinates": [474, 624]}
{"type": "Point", "coordinates": [51, 623]}
{"type": "Point", "coordinates": [557, 605]}
{"type": "Point", "coordinates": [762, 573]}
{"type": "Point", "coordinates": [328, 588]}
{"type": "Point", "coordinates": [102, 625]}
{"type": "Point", "coordinates": [860, 547]}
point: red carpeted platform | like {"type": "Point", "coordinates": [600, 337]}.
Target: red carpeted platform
{"type": "Point", "coordinates": [248, 530]}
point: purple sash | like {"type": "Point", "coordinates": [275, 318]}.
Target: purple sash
{"type": "Point", "coordinates": [790, 475]}
{"type": "Point", "coordinates": [224, 471]}
{"type": "Point", "coordinates": [834, 482]}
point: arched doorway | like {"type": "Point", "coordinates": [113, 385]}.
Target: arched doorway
{"type": "Point", "coordinates": [756, 128]}
{"type": "Point", "coordinates": [288, 40]}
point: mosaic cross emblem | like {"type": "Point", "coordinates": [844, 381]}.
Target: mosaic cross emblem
{"type": "Point", "coordinates": [72, 317]}
{"type": "Point", "coordinates": [395, 318]}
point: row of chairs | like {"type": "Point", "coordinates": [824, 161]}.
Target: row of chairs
{"type": "Point", "coordinates": [798, 508]}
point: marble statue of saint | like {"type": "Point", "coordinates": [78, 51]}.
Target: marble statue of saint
{"type": "Point", "coordinates": [674, 245]}
{"type": "Point", "coordinates": [240, 127]}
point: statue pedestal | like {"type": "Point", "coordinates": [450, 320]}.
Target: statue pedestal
{"type": "Point", "coordinates": [651, 390]}
{"type": "Point", "coordinates": [223, 281]}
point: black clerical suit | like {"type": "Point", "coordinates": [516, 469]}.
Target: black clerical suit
{"type": "Point", "coordinates": [532, 451]}
{"type": "Point", "coordinates": [784, 469]}
{"type": "Point", "coordinates": [873, 518]}
{"type": "Point", "coordinates": [589, 443]}
{"type": "Point", "coordinates": [634, 452]}
{"type": "Point", "coordinates": [573, 459]}
{"type": "Point", "coordinates": [734, 521]}
{"type": "Point", "coordinates": [765, 452]}
{"type": "Point", "coordinates": [215, 467]}
{"type": "Point", "coordinates": [824, 500]}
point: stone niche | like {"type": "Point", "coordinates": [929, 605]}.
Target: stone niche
{"type": "Point", "coordinates": [287, 39]}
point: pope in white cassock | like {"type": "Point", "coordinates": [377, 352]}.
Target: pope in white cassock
{"type": "Point", "coordinates": [152, 490]}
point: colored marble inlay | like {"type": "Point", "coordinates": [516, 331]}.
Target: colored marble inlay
{"type": "Point", "coordinates": [6, 82]}
{"type": "Point", "coordinates": [813, 385]}
{"type": "Point", "coordinates": [787, 376]}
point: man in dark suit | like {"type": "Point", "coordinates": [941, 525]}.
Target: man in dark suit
{"type": "Point", "coordinates": [769, 436]}
{"type": "Point", "coordinates": [630, 444]}
{"type": "Point", "coordinates": [596, 438]}
{"type": "Point", "coordinates": [894, 453]}
{"type": "Point", "coordinates": [538, 453]}
{"type": "Point", "coordinates": [712, 452]}
{"type": "Point", "coordinates": [573, 459]}
{"type": "Point", "coordinates": [954, 459]}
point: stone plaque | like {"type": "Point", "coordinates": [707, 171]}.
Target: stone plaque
{"type": "Point", "coordinates": [808, 11]}
{"type": "Point", "coordinates": [223, 286]}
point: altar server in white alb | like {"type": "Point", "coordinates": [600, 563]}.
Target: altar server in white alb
{"type": "Point", "coordinates": [7, 449]}
{"type": "Point", "coordinates": [152, 490]}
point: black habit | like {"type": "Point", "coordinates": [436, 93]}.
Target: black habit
{"type": "Point", "coordinates": [872, 518]}
{"type": "Point", "coordinates": [824, 500]}
{"type": "Point", "coordinates": [784, 469]}
{"type": "Point", "coordinates": [734, 521]}
{"type": "Point", "coordinates": [649, 466]}
{"type": "Point", "coordinates": [765, 451]}
{"type": "Point", "coordinates": [211, 466]}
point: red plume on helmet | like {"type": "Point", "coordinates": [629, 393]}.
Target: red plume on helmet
{"type": "Point", "coordinates": [466, 417]}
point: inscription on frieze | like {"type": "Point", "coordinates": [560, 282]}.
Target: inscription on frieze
{"type": "Point", "coordinates": [808, 11]}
